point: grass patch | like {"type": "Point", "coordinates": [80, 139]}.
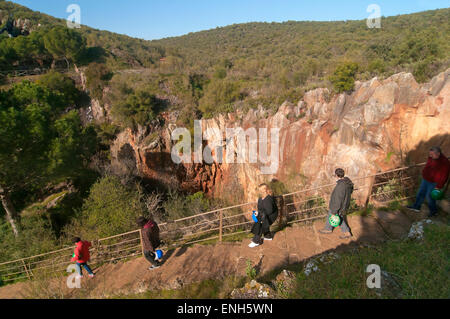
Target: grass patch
{"type": "Point", "coordinates": [421, 268]}
{"type": "Point", "coordinates": [366, 211]}
{"type": "Point", "coordinates": [393, 206]}
{"type": "Point", "coordinates": [41, 207]}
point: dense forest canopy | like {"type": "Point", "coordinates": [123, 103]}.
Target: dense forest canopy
{"type": "Point", "coordinates": [273, 61]}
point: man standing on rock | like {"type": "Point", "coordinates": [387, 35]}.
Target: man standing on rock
{"type": "Point", "coordinates": [339, 204]}
{"type": "Point", "coordinates": [150, 240]}
{"type": "Point", "coordinates": [435, 175]}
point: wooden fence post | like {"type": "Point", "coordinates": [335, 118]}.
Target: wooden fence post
{"type": "Point", "coordinates": [26, 269]}
{"type": "Point", "coordinates": [282, 210]}
{"type": "Point", "coordinates": [140, 240]}
{"type": "Point", "coordinates": [220, 226]}
{"type": "Point", "coordinates": [371, 183]}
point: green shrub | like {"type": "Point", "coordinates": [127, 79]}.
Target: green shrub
{"type": "Point", "coordinates": [425, 70]}
{"type": "Point", "coordinates": [419, 46]}
{"type": "Point", "coordinates": [220, 73]}
{"type": "Point", "coordinates": [197, 83]}
{"type": "Point", "coordinates": [61, 85]}
{"type": "Point", "coordinates": [110, 209]}
{"type": "Point", "coordinates": [178, 205]}
{"type": "Point", "coordinates": [62, 42]}
{"type": "Point", "coordinates": [218, 97]}
{"type": "Point", "coordinates": [3, 79]}
{"type": "Point", "coordinates": [250, 271]}
{"type": "Point", "coordinates": [343, 78]}
{"type": "Point", "coordinates": [97, 76]}
{"type": "Point", "coordinates": [35, 237]}
{"type": "Point", "coordinates": [139, 108]}
{"type": "Point", "coordinates": [377, 66]}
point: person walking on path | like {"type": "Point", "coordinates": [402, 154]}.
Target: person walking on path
{"type": "Point", "coordinates": [81, 256]}
{"type": "Point", "coordinates": [434, 176]}
{"type": "Point", "coordinates": [267, 215]}
{"type": "Point", "coordinates": [150, 240]}
{"type": "Point", "coordinates": [339, 204]}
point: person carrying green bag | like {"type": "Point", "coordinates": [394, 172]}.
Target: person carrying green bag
{"type": "Point", "coordinates": [434, 177]}
{"type": "Point", "coordinates": [339, 204]}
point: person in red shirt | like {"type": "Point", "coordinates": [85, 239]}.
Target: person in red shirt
{"type": "Point", "coordinates": [435, 176]}
{"type": "Point", "coordinates": [81, 256]}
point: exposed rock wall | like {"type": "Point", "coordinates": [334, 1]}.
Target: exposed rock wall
{"type": "Point", "coordinates": [381, 125]}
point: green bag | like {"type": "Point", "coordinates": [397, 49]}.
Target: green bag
{"type": "Point", "coordinates": [335, 220]}
{"type": "Point", "coordinates": [437, 194]}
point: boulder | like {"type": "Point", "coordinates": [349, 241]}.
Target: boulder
{"type": "Point", "coordinates": [417, 229]}
{"type": "Point", "coordinates": [253, 290]}
{"type": "Point", "coordinates": [285, 281]}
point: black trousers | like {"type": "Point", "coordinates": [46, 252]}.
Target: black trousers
{"type": "Point", "coordinates": [257, 238]}
{"type": "Point", "coordinates": [150, 256]}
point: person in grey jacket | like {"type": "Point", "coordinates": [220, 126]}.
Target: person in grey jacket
{"type": "Point", "coordinates": [339, 203]}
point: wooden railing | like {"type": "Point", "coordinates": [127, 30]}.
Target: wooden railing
{"type": "Point", "coordinates": [28, 72]}
{"type": "Point", "coordinates": [301, 206]}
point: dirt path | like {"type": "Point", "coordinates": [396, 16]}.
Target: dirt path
{"type": "Point", "coordinates": [200, 262]}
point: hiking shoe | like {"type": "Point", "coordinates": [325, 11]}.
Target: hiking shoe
{"type": "Point", "coordinates": [432, 215]}
{"type": "Point", "coordinates": [325, 231]}
{"type": "Point", "coordinates": [413, 209]}
{"type": "Point", "coordinates": [253, 245]}
{"type": "Point", "coordinates": [345, 236]}
{"type": "Point", "coordinates": [91, 276]}
{"type": "Point", "coordinates": [153, 267]}
{"type": "Point", "coordinates": [270, 238]}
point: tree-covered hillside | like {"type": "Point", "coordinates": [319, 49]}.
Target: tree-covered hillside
{"type": "Point", "coordinates": [278, 59]}
{"type": "Point", "coordinates": [245, 65]}
{"type": "Point", "coordinates": [119, 51]}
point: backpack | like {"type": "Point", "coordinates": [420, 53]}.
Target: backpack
{"type": "Point", "coordinates": [273, 217]}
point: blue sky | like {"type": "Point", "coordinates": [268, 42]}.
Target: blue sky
{"type": "Point", "coordinates": [151, 19]}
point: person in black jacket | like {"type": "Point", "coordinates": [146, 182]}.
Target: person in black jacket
{"type": "Point", "coordinates": [150, 240]}
{"type": "Point", "coordinates": [267, 215]}
{"type": "Point", "coordinates": [339, 203]}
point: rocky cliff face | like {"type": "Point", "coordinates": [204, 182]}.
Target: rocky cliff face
{"type": "Point", "coordinates": [381, 125]}
{"type": "Point", "coordinates": [15, 27]}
